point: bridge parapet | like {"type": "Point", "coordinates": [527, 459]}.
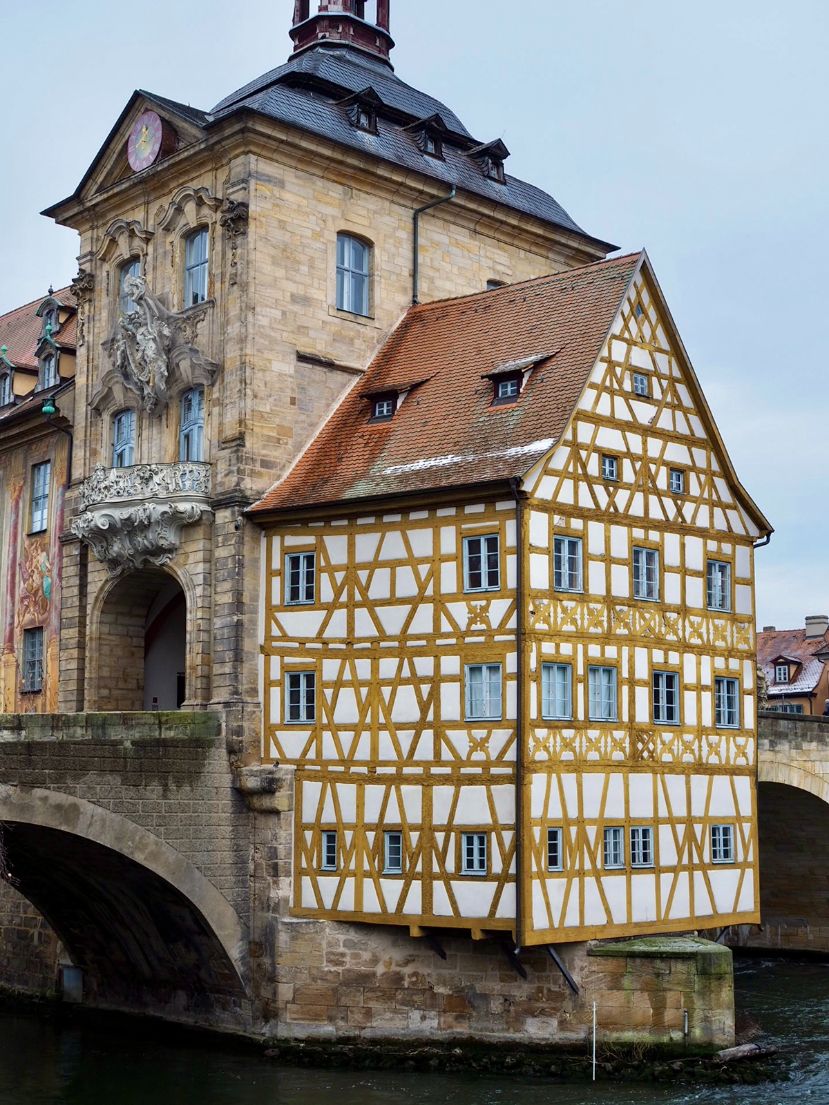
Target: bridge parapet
{"type": "Point", "coordinates": [122, 728]}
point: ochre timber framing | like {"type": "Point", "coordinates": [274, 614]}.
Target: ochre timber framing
{"type": "Point", "coordinates": [391, 632]}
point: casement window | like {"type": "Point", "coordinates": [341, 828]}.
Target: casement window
{"type": "Point", "coordinates": [365, 118]}
{"type": "Point", "coordinates": [557, 691]}
{"type": "Point", "coordinates": [666, 698]}
{"type": "Point", "coordinates": [132, 267]}
{"type": "Point", "coordinates": [431, 144]}
{"type": "Point", "coordinates": [507, 389]}
{"type": "Point", "coordinates": [610, 467]}
{"type": "Point", "coordinates": [567, 560]}
{"type": "Point", "coordinates": [781, 673]}
{"type": "Point", "coordinates": [790, 708]}
{"type": "Point", "coordinates": [300, 697]}
{"type": "Point", "coordinates": [6, 391]}
{"type": "Point", "coordinates": [722, 843]}
{"type": "Point", "coordinates": [718, 574]}
{"type": "Point", "coordinates": [353, 275]}
{"type": "Point", "coordinates": [382, 409]}
{"type": "Point", "coordinates": [393, 853]}
{"type": "Point", "coordinates": [48, 376]}
{"type": "Point", "coordinates": [641, 384]}
{"type": "Point", "coordinates": [641, 846]}
{"type": "Point", "coordinates": [483, 692]}
{"type": "Point", "coordinates": [196, 266]}
{"type": "Point", "coordinates": [677, 481]}
{"type": "Point", "coordinates": [602, 694]}
{"type": "Point", "coordinates": [555, 855]}
{"type": "Point", "coordinates": [191, 425]}
{"type": "Point", "coordinates": [646, 574]}
{"type": "Point", "coordinates": [39, 506]}
{"type": "Point", "coordinates": [329, 851]}
{"type": "Point", "coordinates": [33, 660]}
{"type": "Point", "coordinates": [482, 563]}
{"type": "Point", "coordinates": [473, 854]}
{"type": "Point", "coordinates": [494, 169]}
{"type": "Point", "coordinates": [727, 701]}
{"type": "Point", "coordinates": [123, 439]}
{"type": "Point", "coordinates": [300, 578]}
{"type": "Point", "coordinates": [614, 847]}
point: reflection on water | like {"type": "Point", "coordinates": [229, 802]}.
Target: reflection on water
{"type": "Point", "coordinates": [46, 1063]}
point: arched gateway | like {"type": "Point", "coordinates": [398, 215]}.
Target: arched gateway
{"type": "Point", "coordinates": [146, 927]}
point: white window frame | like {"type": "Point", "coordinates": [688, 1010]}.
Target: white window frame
{"type": "Point", "coordinates": [301, 683]}
{"type": "Point", "coordinates": [191, 426]}
{"type": "Point", "coordinates": [676, 481]}
{"type": "Point", "coordinates": [557, 692]}
{"type": "Point", "coordinates": [48, 375]}
{"type": "Point", "coordinates": [610, 467]}
{"type": "Point", "coordinates": [603, 691]}
{"type": "Point", "coordinates": [383, 409]}
{"type": "Point", "coordinates": [664, 686]}
{"type": "Point", "coordinates": [718, 585]}
{"type": "Point", "coordinates": [509, 388]}
{"type": "Point", "coordinates": [568, 568]}
{"type": "Point", "coordinates": [641, 846]}
{"type": "Point", "coordinates": [123, 438]}
{"type": "Point", "coordinates": [474, 854]}
{"type": "Point", "coordinates": [33, 660]}
{"type": "Point", "coordinates": [329, 844]}
{"type": "Point", "coordinates": [41, 479]}
{"type": "Point", "coordinates": [722, 844]}
{"type": "Point", "coordinates": [613, 848]}
{"type": "Point", "coordinates": [6, 389]}
{"type": "Point", "coordinates": [641, 385]}
{"type": "Point", "coordinates": [645, 574]}
{"type": "Point", "coordinates": [196, 266]}
{"type": "Point", "coordinates": [488, 547]}
{"type": "Point", "coordinates": [300, 578]}
{"type": "Point", "coordinates": [555, 848]}
{"type": "Point", "coordinates": [354, 260]}
{"type": "Point", "coordinates": [393, 846]}
{"type": "Point", "coordinates": [132, 267]}
{"type": "Point", "coordinates": [781, 673]}
{"type": "Point", "coordinates": [727, 702]}
{"type": "Point", "coordinates": [491, 691]}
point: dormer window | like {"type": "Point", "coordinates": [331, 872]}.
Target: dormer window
{"type": "Point", "coordinates": [383, 407]}
{"type": "Point", "coordinates": [365, 119]}
{"type": "Point", "coordinates": [431, 144]}
{"type": "Point", "coordinates": [428, 135]}
{"type": "Point", "coordinates": [48, 372]}
{"type": "Point", "coordinates": [508, 388]}
{"type": "Point", "coordinates": [361, 109]}
{"type": "Point", "coordinates": [781, 673]}
{"type": "Point", "coordinates": [5, 389]}
{"type": "Point", "coordinates": [50, 322]}
{"type": "Point", "coordinates": [494, 169]}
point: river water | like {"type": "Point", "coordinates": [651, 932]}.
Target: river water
{"type": "Point", "coordinates": [44, 1061]}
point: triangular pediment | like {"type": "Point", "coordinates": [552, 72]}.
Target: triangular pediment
{"type": "Point", "coordinates": [181, 126]}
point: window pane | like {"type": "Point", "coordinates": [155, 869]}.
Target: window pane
{"type": "Point", "coordinates": [567, 573]}
{"type": "Point", "coordinates": [353, 275]}
{"type": "Point", "coordinates": [556, 691]}
{"type": "Point", "coordinates": [196, 268]}
{"type": "Point", "coordinates": [33, 660]}
{"type": "Point", "coordinates": [132, 268]}
{"type": "Point", "coordinates": [554, 854]}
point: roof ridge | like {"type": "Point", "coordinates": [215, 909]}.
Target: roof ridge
{"type": "Point", "coordinates": [532, 280]}
{"type": "Point", "coordinates": [36, 302]}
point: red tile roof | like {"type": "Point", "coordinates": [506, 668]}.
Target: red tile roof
{"type": "Point", "coordinates": [21, 330]}
{"type": "Point", "coordinates": [447, 433]}
{"type": "Point", "coordinates": [791, 644]}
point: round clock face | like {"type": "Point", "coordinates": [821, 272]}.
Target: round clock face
{"type": "Point", "coordinates": [145, 140]}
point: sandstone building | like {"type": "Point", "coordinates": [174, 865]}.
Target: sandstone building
{"type": "Point", "coordinates": [378, 456]}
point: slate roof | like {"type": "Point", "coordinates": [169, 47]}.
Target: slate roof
{"type": "Point", "coordinates": [793, 645]}
{"type": "Point", "coordinates": [21, 330]}
{"type": "Point", "coordinates": [447, 433]}
{"type": "Point", "coordinates": [305, 93]}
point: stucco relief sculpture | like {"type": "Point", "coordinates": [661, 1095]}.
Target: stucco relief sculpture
{"type": "Point", "coordinates": [150, 344]}
{"type": "Point", "coordinates": [134, 517]}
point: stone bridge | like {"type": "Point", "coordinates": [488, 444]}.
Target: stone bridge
{"type": "Point", "coordinates": [793, 799]}
{"type": "Point", "coordinates": [127, 835]}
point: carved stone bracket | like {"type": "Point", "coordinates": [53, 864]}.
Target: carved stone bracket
{"type": "Point", "coordinates": [235, 218]}
{"type": "Point", "coordinates": [82, 285]}
{"type": "Point", "coordinates": [152, 344]}
{"type": "Point", "coordinates": [134, 516]}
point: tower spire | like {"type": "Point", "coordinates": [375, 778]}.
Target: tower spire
{"type": "Point", "coordinates": [363, 24]}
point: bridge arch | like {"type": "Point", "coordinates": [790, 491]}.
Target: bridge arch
{"type": "Point", "coordinates": [148, 928]}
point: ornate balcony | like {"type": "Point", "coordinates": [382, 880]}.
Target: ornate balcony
{"type": "Point", "coordinates": [132, 517]}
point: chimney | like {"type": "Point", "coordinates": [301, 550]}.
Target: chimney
{"type": "Point", "coordinates": [362, 24]}
{"type": "Point", "coordinates": [816, 626]}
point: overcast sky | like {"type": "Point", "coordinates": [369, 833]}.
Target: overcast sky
{"type": "Point", "coordinates": [697, 130]}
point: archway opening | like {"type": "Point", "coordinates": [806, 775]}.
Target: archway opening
{"type": "Point", "coordinates": [141, 943]}
{"type": "Point", "coordinates": [794, 869]}
{"type": "Point", "coordinates": [142, 644]}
